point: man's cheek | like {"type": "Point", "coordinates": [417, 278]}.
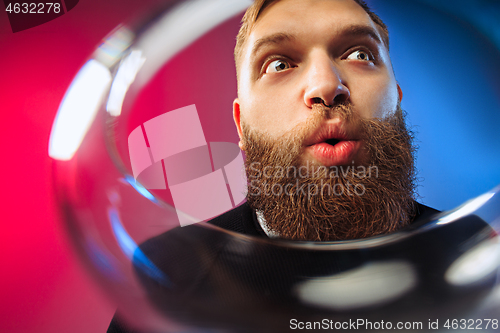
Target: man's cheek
{"type": "Point", "coordinates": [385, 104]}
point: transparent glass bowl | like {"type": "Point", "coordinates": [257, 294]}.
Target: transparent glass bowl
{"type": "Point", "coordinates": [145, 150]}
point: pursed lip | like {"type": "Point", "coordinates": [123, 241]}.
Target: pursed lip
{"type": "Point", "coordinates": [334, 144]}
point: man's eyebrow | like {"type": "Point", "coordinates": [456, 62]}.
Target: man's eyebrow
{"type": "Point", "coordinates": [356, 30]}
{"type": "Point", "coordinates": [273, 39]}
{"type": "Point", "coordinates": [360, 31]}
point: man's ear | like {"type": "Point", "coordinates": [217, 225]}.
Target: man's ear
{"type": "Point", "coordinates": [400, 93]}
{"type": "Point", "coordinates": [237, 121]}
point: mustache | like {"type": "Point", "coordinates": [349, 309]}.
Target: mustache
{"type": "Point", "coordinates": [292, 140]}
{"type": "Point", "coordinates": [319, 113]}
{"type": "Point", "coordinates": [343, 110]}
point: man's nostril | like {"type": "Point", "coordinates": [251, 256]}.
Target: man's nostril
{"type": "Point", "coordinates": [317, 100]}
{"type": "Point", "coordinates": [340, 99]}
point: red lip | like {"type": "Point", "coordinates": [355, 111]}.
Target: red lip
{"type": "Point", "coordinates": [342, 153]}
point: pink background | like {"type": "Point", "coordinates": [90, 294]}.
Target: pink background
{"type": "Point", "coordinates": [43, 286]}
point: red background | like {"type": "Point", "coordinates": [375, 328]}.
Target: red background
{"type": "Point", "coordinates": [43, 287]}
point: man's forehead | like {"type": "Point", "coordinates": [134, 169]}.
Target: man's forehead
{"type": "Point", "coordinates": [308, 18]}
{"type": "Point", "coordinates": [303, 7]}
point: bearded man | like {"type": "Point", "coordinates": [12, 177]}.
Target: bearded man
{"type": "Point", "coordinates": [317, 94]}
{"type": "Point", "coordinates": [328, 157]}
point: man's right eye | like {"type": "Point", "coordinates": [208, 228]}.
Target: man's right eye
{"type": "Point", "coordinates": [277, 66]}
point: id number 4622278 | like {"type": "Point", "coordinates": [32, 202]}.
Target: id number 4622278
{"type": "Point", "coordinates": [471, 324]}
{"type": "Point", "coordinates": [34, 8]}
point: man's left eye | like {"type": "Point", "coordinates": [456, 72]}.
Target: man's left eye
{"type": "Point", "coordinates": [360, 55]}
{"type": "Point", "coordinates": [277, 66]}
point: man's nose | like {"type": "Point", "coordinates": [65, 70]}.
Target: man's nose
{"type": "Point", "coordinates": [325, 84]}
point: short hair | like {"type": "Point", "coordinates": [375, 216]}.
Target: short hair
{"type": "Point", "coordinates": [257, 8]}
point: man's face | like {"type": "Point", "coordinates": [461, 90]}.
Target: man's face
{"type": "Point", "coordinates": [304, 52]}
{"type": "Point", "coordinates": [316, 90]}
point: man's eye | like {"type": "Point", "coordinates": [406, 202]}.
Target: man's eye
{"type": "Point", "coordinates": [360, 55]}
{"type": "Point", "coordinates": [277, 66]}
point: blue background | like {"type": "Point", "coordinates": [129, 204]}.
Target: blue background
{"type": "Point", "coordinates": [446, 57]}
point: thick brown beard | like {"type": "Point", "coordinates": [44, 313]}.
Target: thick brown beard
{"type": "Point", "coordinates": [317, 204]}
